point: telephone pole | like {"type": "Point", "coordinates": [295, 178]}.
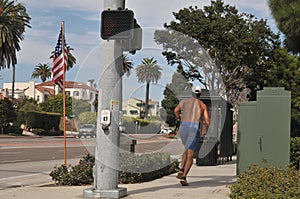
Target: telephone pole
{"type": "Point", "coordinates": [109, 108]}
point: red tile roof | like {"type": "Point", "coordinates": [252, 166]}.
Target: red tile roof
{"type": "Point", "coordinates": [70, 84]}
{"type": "Point", "coordinates": [44, 89]}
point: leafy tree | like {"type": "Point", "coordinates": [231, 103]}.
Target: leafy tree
{"type": "Point", "coordinates": [148, 72]}
{"type": "Point", "coordinates": [73, 106]}
{"type": "Point", "coordinates": [55, 104]}
{"type": "Point", "coordinates": [42, 71]}
{"type": "Point", "coordinates": [95, 103]}
{"type": "Point", "coordinates": [13, 20]}
{"type": "Point", "coordinates": [87, 118]}
{"type": "Point", "coordinates": [287, 16]}
{"type": "Point", "coordinates": [285, 73]}
{"type": "Point", "coordinates": [7, 113]}
{"type": "Point", "coordinates": [80, 106]}
{"type": "Point", "coordinates": [178, 86]}
{"type": "Point", "coordinates": [29, 104]}
{"type": "Point", "coordinates": [239, 47]}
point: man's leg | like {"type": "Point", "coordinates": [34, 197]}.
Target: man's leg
{"type": "Point", "coordinates": [183, 159]}
{"type": "Point", "coordinates": [182, 164]}
{"type": "Point", "coordinates": [189, 161]}
{"type": "Point", "coordinates": [187, 166]}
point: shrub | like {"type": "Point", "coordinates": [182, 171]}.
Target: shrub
{"type": "Point", "coordinates": [80, 174]}
{"type": "Point", "coordinates": [13, 130]}
{"type": "Point", "coordinates": [42, 120]}
{"type": "Point", "coordinates": [60, 175]}
{"type": "Point", "coordinates": [295, 152]}
{"type": "Point", "coordinates": [87, 118]}
{"type": "Point", "coordinates": [133, 168]}
{"type": "Point", "coordinates": [146, 126]}
{"type": "Point", "coordinates": [260, 183]}
{"type": "Point", "coordinates": [141, 168]}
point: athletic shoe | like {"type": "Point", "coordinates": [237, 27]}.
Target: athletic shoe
{"type": "Point", "coordinates": [183, 181]}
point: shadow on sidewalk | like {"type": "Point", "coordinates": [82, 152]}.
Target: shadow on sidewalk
{"type": "Point", "coordinates": [207, 181]}
{"type": "Point", "coordinates": [212, 181]}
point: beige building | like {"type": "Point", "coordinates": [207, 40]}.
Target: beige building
{"type": "Point", "coordinates": [87, 92]}
{"type": "Point", "coordinates": [41, 91]}
{"type": "Point", "coordinates": [133, 107]}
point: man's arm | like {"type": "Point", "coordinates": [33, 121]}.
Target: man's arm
{"type": "Point", "coordinates": [206, 115]}
{"type": "Point", "coordinates": [177, 112]}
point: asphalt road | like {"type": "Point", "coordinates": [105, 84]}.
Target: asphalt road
{"type": "Point", "coordinates": [15, 155]}
{"type": "Point", "coordinates": [20, 149]}
{"type": "Point", "coordinates": [27, 160]}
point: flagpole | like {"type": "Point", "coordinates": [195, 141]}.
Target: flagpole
{"type": "Point", "coordinates": [64, 93]}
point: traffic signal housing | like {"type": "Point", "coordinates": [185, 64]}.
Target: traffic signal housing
{"type": "Point", "coordinates": [117, 24]}
{"type": "Point", "coordinates": [134, 44]}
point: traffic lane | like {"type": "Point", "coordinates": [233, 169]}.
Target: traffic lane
{"type": "Point", "coordinates": [32, 165]}
{"type": "Point", "coordinates": [172, 146]}
{"type": "Point", "coordinates": [37, 153]}
{"type": "Point", "coordinates": [18, 164]}
{"type": "Point", "coordinates": [45, 141]}
{"type": "Point", "coordinates": [32, 154]}
{"type": "Point", "coordinates": [28, 173]}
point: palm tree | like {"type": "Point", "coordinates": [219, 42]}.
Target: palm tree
{"type": "Point", "coordinates": [13, 20]}
{"type": "Point", "coordinates": [127, 64]}
{"type": "Point", "coordinates": [148, 72]}
{"type": "Point", "coordinates": [71, 58]}
{"type": "Point", "coordinates": [42, 71]}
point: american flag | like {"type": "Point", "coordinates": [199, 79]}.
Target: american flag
{"type": "Point", "coordinates": [59, 62]}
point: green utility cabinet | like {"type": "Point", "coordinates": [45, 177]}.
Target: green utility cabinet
{"type": "Point", "coordinates": [264, 130]}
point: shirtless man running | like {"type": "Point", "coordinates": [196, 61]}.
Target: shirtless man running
{"type": "Point", "coordinates": [189, 112]}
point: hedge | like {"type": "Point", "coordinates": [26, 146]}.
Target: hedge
{"type": "Point", "coordinates": [146, 167]}
{"type": "Point", "coordinates": [295, 152]}
{"type": "Point", "coordinates": [40, 120]}
{"type": "Point", "coordinates": [133, 169]}
{"type": "Point", "coordinates": [145, 126]}
{"type": "Point", "coordinates": [266, 182]}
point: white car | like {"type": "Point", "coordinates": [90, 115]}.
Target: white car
{"type": "Point", "coordinates": [87, 130]}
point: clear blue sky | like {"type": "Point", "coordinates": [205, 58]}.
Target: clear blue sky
{"type": "Point", "coordinates": [82, 25]}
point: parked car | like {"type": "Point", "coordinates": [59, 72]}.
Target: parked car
{"type": "Point", "coordinates": [87, 130]}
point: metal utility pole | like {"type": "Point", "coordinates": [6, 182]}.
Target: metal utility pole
{"type": "Point", "coordinates": [109, 107]}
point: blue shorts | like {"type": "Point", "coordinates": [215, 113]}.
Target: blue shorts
{"type": "Point", "coordinates": [190, 136]}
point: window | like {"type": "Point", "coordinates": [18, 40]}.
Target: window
{"type": "Point", "coordinates": [133, 112]}
{"type": "Point", "coordinates": [150, 105]}
{"type": "Point", "coordinates": [76, 93]}
{"type": "Point", "coordinates": [84, 94]}
{"type": "Point", "coordinates": [140, 104]}
{"type": "Point", "coordinates": [68, 93]}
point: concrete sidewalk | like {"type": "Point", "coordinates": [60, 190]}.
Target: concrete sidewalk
{"type": "Point", "coordinates": [204, 182]}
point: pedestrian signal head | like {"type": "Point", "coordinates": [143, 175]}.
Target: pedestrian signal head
{"type": "Point", "coordinates": [117, 24]}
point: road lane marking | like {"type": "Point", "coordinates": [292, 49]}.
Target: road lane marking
{"type": "Point", "coordinates": [14, 161]}
{"type": "Point", "coordinates": [10, 152]}
{"type": "Point", "coordinates": [32, 147]}
{"type": "Point", "coordinates": [24, 176]}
